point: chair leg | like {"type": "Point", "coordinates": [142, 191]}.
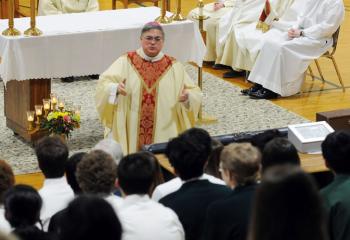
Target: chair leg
{"type": "Point", "coordinates": [311, 73]}
{"type": "Point", "coordinates": [338, 73]}
{"type": "Point", "coordinates": [319, 70]}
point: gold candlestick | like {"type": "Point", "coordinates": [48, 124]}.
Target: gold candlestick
{"type": "Point", "coordinates": [11, 31]}
{"type": "Point", "coordinates": [203, 118]}
{"type": "Point", "coordinates": [32, 31]}
{"type": "Point", "coordinates": [163, 18]}
{"type": "Point", "coordinates": [178, 16]}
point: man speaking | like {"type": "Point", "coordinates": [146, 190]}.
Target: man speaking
{"type": "Point", "coordinates": [146, 96]}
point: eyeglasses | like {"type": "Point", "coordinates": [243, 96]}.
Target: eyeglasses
{"type": "Point", "coordinates": [151, 38]}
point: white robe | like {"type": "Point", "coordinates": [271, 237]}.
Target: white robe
{"type": "Point", "coordinates": [52, 7]}
{"type": "Point", "coordinates": [236, 25]}
{"type": "Point", "coordinates": [211, 24]}
{"type": "Point", "coordinates": [282, 62]}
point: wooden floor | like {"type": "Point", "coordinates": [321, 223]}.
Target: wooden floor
{"type": "Point", "coordinates": [307, 104]}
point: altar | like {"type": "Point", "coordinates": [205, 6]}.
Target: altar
{"type": "Point", "coordinates": [78, 44]}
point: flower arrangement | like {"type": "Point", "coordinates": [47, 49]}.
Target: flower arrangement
{"type": "Point", "coordinates": [61, 123]}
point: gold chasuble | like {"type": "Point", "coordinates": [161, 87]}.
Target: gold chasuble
{"type": "Point", "coordinates": [150, 112]}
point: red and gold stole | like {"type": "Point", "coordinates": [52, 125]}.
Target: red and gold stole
{"type": "Point", "coordinates": [264, 14]}
{"type": "Point", "coordinates": [150, 74]}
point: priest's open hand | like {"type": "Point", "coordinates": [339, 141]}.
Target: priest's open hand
{"type": "Point", "coordinates": [184, 96]}
{"type": "Point", "coordinates": [121, 88]}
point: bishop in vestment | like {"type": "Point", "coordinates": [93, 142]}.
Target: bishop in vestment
{"type": "Point", "coordinates": [146, 96]}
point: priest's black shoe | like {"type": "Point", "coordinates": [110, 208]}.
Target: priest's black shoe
{"type": "Point", "coordinates": [253, 88]}
{"type": "Point", "coordinates": [233, 73]}
{"type": "Point", "coordinates": [220, 66]}
{"type": "Point", "coordinates": [263, 93]}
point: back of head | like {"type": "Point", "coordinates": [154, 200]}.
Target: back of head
{"type": "Point", "coordinates": [7, 179]}
{"type": "Point", "coordinates": [212, 167]}
{"type": "Point", "coordinates": [111, 147]}
{"type": "Point", "coordinates": [52, 155]}
{"type": "Point", "coordinates": [97, 173]}
{"type": "Point", "coordinates": [279, 151]}
{"type": "Point", "coordinates": [242, 161]}
{"type": "Point", "coordinates": [189, 152]}
{"type": "Point", "coordinates": [71, 168]}
{"type": "Point", "coordinates": [88, 217]}
{"type": "Point", "coordinates": [336, 151]}
{"type": "Point", "coordinates": [287, 206]}
{"type": "Point", "coordinates": [22, 206]}
{"type": "Point", "coordinates": [260, 140]}
{"type": "Point", "coordinates": [136, 173]}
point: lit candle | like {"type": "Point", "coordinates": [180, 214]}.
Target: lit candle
{"type": "Point", "coordinates": [61, 105]}
{"type": "Point", "coordinates": [54, 100]}
{"type": "Point", "coordinates": [38, 110]}
{"type": "Point", "coordinates": [30, 118]}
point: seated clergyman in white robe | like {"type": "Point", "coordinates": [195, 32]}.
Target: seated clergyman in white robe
{"type": "Point", "coordinates": [215, 11]}
{"type": "Point", "coordinates": [246, 40]}
{"type": "Point", "coordinates": [286, 54]}
{"type": "Point", "coordinates": [145, 96]}
{"type": "Point", "coordinates": [52, 7]}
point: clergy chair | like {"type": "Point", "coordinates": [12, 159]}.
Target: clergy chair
{"type": "Point", "coordinates": [127, 2]}
{"type": "Point", "coordinates": [329, 55]}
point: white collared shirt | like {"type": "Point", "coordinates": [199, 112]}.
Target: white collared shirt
{"type": "Point", "coordinates": [114, 201]}
{"type": "Point", "coordinates": [174, 184]}
{"type": "Point", "coordinates": [4, 224]}
{"type": "Point", "coordinates": [145, 219]}
{"type": "Point", "coordinates": [56, 194]}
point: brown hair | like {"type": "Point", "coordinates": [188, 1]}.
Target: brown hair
{"type": "Point", "coordinates": [7, 178]}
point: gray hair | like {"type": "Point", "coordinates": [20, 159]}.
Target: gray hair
{"type": "Point", "coordinates": [152, 25]}
{"type": "Point", "coordinates": [111, 147]}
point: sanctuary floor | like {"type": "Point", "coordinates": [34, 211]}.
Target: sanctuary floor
{"type": "Point", "coordinates": [316, 97]}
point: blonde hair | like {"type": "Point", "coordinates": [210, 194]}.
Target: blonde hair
{"type": "Point", "coordinates": [242, 160]}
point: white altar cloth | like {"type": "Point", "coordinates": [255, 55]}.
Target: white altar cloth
{"type": "Point", "coordinates": [83, 44]}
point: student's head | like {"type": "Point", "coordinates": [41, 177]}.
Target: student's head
{"type": "Point", "coordinates": [152, 38]}
{"type": "Point", "coordinates": [261, 139]}
{"type": "Point", "coordinates": [136, 173]}
{"type": "Point", "coordinates": [279, 151]}
{"type": "Point", "coordinates": [22, 206]}
{"type": "Point", "coordinates": [336, 151]}
{"type": "Point", "coordinates": [189, 152]}
{"type": "Point", "coordinates": [240, 164]}
{"type": "Point", "coordinates": [52, 156]}
{"type": "Point", "coordinates": [287, 206]}
{"type": "Point", "coordinates": [89, 217]}
{"type": "Point", "coordinates": [111, 147]}
{"type": "Point", "coordinates": [7, 179]}
{"type": "Point", "coordinates": [71, 168]}
{"type": "Point", "coordinates": [212, 167]}
{"type": "Point", "coordinates": [97, 173]}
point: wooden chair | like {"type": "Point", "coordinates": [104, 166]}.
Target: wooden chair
{"type": "Point", "coordinates": [330, 55]}
{"type": "Point", "coordinates": [127, 2]}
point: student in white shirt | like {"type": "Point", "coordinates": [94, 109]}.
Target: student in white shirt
{"type": "Point", "coordinates": [96, 175]}
{"type": "Point", "coordinates": [141, 217]}
{"type": "Point", "coordinates": [52, 155]}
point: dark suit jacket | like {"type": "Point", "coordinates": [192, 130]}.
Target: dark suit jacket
{"type": "Point", "coordinates": [229, 218]}
{"type": "Point", "coordinates": [336, 198]}
{"type": "Point", "coordinates": [190, 203]}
